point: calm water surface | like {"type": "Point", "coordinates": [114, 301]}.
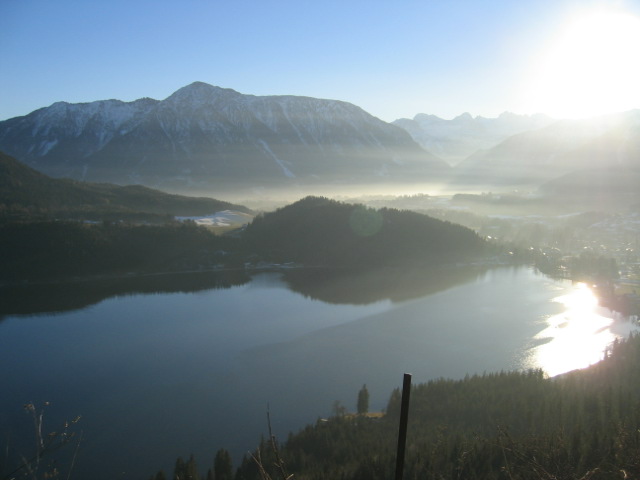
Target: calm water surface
{"type": "Point", "coordinates": [161, 367]}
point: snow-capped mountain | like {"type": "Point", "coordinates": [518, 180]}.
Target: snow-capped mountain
{"type": "Point", "coordinates": [454, 140]}
{"type": "Point", "coordinates": [205, 135]}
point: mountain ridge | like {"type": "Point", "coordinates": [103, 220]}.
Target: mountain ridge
{"type": "Point", "coordinates": [565, 146]}
{"type": "Point", "coordinates": [212, 136]}
{"type": "Point", "coordinates": [455, 140]}
{"type": "Point", "coordinates": [23, 189]}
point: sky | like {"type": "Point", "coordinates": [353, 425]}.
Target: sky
{"type": "Point", "coordinates": [394, 59]}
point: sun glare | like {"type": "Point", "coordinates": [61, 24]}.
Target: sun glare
{"type": "Point", "coordinates": [575, 338]}
{"type": "Point", "coordinates": [591, 68]}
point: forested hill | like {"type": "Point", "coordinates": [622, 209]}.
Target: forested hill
{"type": "Point", "coordinates": [515, 426]}
{"type": "Point", "coordinates": [499, 426]}
{"type": "Point", "coordinates": [311, 232]}
{"type": "Point", "coordinates": [318, 231]}
{"type": "Point", "coordinates": [26, 192]}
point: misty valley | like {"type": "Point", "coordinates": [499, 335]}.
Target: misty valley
{"type": "Point", "coordinates": [175, 270]}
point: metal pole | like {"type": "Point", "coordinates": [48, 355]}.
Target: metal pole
{"type": "Point", "coordinates": [402, 432]}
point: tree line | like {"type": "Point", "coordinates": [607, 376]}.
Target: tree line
{"type": "Point", "coordinates": [313, 231]}
{"type": "Point", "coordinates": [320, 231]}
{"type": "Point", "coordinates": [53, 250]}
{"type": "Point", "coordinates": [506, 425]}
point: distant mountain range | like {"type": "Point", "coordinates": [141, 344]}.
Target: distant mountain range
{"type": "Point", "coordinates": [455, 140]}
{"type": "Point", "coordinates": [562, 148]}
{"type": "Point", "coordinates": [204, 138]}
{"type": "Point", "coordinates": [208, 136]}
{"type": "Point", "coordinates": [572, 156]}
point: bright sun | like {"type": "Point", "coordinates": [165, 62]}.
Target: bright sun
{"type": "Point", "coordinates": [591, 68]}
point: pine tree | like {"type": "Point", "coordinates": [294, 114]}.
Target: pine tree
{"type": "Point", "coordinates": [180, 469]}
{"type": "Point", "coordinates": [363, 400]}
{"type": "Point", "coordinates": [192, 469]}
{"type": "Point", "coordinates": [222, 465]}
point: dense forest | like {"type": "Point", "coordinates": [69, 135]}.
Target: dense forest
{"type": "Point", "coordinates": [58, 229]}
{"type": "Point", "coordinates": [27, 195]}
{"type": "Point", "coordinates": [505, 425]}
{"type": "Point", "coordinates": [50, 250]}
{"type": "Point", "coordinates": [319, 231]}
{"type": "Point", "coordinates": [313, 231]}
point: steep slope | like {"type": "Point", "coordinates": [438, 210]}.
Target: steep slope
{"type": "Point", "coordinates": [532, 158]}
{"type": "Point", "coordinates": [454, 140]}
{"type": "Point", "coordinates": [610, 167]}
{"type": "Point", "coordinates": [23, 187]}
{"type": "Point", "coordinates": [618, 146]}
{"type": "Point", "coordinates": [210, 136]}
{"type": "Point", "coordinates": [516, 425]}
{"type": "Point", "coordinates": [51, 138]}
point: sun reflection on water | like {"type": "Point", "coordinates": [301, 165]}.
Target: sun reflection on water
{"type": "Point", "coordinates": [575, 338]}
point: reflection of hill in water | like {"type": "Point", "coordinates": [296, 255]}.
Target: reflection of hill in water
{"type": "Point", "coordinates": [359, 287]}
{"type": "Point", "coordinates": [337, 286]}
{"type": "Point", "coordinates": [62, 297]}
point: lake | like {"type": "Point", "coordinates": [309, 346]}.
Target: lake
{"type": "Point", "coordinates": [168, 365]}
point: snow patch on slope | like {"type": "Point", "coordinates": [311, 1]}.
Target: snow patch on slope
{"type": "Point", "coordinates": [281, 163]}
{"type": "Point", "coordinates": [226, 218]}
{"type": "Point", "coordinates": [46, 146]}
